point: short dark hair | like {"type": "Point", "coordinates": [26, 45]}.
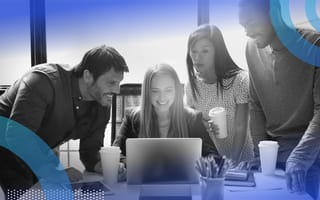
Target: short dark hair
{"type": "Point", "coordinates": [100, 60]}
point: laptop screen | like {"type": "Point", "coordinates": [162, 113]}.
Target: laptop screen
{"type": "Point", "coordinates": [162, 160]}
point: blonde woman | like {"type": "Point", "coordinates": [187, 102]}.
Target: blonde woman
{"type": "Point", "coordinates": [162, 112]}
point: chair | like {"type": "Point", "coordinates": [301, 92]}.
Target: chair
{"type": "Point", "coordinates": [129, 96]}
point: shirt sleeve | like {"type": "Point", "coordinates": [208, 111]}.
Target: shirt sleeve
{"type": "Point", "coordinates": [307, 151]}
{"type": "Point", "coordinates": [33, 98]}
{"type": "Point", "coordinates": [241, 88]}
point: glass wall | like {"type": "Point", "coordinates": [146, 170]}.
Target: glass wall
{"type": "Point", "coordinates": [15, 57]}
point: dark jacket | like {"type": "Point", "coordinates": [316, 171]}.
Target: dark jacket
{"type": "Point", "coordinates": [131, 125]}
{"type": "Point", "coordinates": [47, 100]}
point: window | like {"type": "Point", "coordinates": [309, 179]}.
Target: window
{"type": "Point", "coordinates": [145, 32]}
{"type": "Point", "coordinates": [14, 39]}
{"type": "Point", "coordinates": [224, 14]}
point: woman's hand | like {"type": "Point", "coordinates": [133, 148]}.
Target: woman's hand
{"type": "Point", "coordinates": [122, 173]}
{"type": "Point", "coordinates": [211, 127]}
{"type": "Point", "coordinates": [248, 165]}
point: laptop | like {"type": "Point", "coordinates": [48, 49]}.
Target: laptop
{"type": "Point", "coordinates": [162, 160]}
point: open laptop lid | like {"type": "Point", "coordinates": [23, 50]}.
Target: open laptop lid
{"type": "Point", "coordinates": [162, 160]}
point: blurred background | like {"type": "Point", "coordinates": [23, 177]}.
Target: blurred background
{"type": "Point", "coordinates": [145, 32]}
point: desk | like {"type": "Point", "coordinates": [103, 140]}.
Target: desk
{"type": "Point", "coordinates": [268, 188]}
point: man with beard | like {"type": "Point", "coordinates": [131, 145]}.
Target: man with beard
{"type": "Point", "coordinates": [284, 93]}
{"type": "Point", "coordinates": [59, 104]}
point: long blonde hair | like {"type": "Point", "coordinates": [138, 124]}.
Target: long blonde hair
{"type": "Point", "coordinates": [148, 116]}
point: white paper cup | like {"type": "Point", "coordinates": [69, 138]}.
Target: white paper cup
{"type": "Point", "coordinates": [219, 117]}
{"type": "Point", "coordinates": [110, 159]}
{"type": "Point", "coordinates": [268, 156]}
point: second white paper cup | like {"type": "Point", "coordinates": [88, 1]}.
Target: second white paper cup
{"type": "Point", "coordinates": [219, 117]}
{"type": "Point", "coordinates": [110, 159]}
{"type": "Point", "coordinates": [268, 156]}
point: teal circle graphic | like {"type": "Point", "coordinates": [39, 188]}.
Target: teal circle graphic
{"type": "Point", "coordinates": [17, 141]}
{"type": "Point", "coordinates": [290, 37]}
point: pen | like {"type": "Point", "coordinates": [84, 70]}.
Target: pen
{"type": "Point", "coordinates": [207, 167]}
{"type": "Point", "coordinates": [221, 166]}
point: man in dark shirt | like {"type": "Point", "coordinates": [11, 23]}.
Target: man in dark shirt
{"type": "Point", "coordinates": [59, 104]}
{"type": "Point", "coordinates": [284, 103]}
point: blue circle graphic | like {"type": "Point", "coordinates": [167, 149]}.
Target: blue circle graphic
{"type": "Point", "coordinates": [21, 141]}
{"type": "Point", "coordinates": [290, 37]}
{"type": "Point", "coordinates": [312, 15]}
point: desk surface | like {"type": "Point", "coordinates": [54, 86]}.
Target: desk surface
{"type": "Point", "coordinates": [268, 188]}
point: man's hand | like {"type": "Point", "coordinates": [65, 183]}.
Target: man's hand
{"type": "Point", "coordinates": [98, 167]}
{"type": "Point", "coordinates": [122, 171]}
{"type": "Point", "coordinates": [74, 174]}
{"type": "Point", "coordinates": [52, 175]}
{"type": "Point", "coordinates": [295, 177]}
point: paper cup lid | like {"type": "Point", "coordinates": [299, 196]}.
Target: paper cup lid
{"type": "Point", "coordinates": [268, 143]}
{"type": "Point", "coordinates": [110, 149]}
{"type": "Point", "coordinates": [216, 110]}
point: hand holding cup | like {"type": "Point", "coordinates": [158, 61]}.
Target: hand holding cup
{"type": "Point", "coordinates": [218, 122]}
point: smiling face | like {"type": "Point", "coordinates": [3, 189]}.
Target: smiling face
{"type": "Point", "coordinates": [107, 84]}
{"type": "Point", "coordinates": [202, 54]}
{"type": "Point", "coordinates": [162, 92]}
{"type": "Point", "coordinates": [257, 24]}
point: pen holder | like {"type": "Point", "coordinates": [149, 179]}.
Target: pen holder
{"type": "Point", "coordinates": [212, 188]}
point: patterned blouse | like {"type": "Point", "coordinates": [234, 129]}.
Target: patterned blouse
{"type": "Point", "coordinates": [237, 93]}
